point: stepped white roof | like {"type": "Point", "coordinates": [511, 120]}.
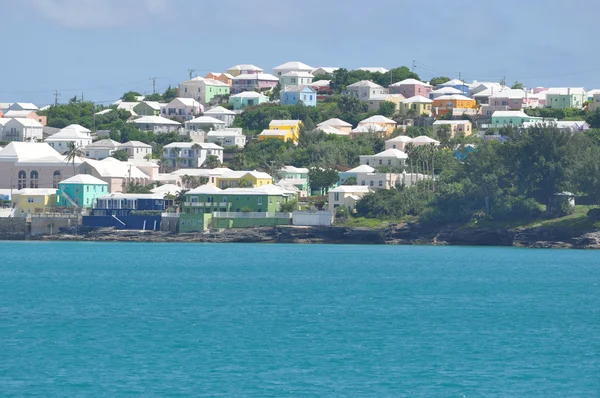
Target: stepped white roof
{"type": "Point", "coordinates": [391, 153]}
{"type": "Point", "coordinates": [104, 144]}
{"type": "Point", "coordinates": [292, 169]}
{"type": "Point", "coordinates": [283, 122]}
{"type": "Point", "coordinates": [245, 67]}
{"type": "Point", "coordinates": [155, 120]}
{"type": "Point", "coordinates": [320, 83]}
{"type": "Point", "coordinates": [510, 114]}
{"type": "Point", "coordinates": [187, 145]}
{"type": "Point", "coordinates": [373, 69]}
{"type": "Point", "coordinates": [566, 91]}
{"type": "Point", "coordinates": [361, 169]}
{"type": "Point", "coordinates": [294, 65]}
{"type": "Point", "coordinates": [36, 191]}
{"type": "Point", "coordinates": [17, 113]}
{"type": "Point", "coordinates": [167, 189]}
{"type": "Point", "coordinates": [410, 82]}
{"type": "Point", "coordinates": [128, 106]}
{"type": "Point", "coordinates": [453, 82]}
{"type": "Point", "coordinates": [84, 179]}
{"type": "Point", "coordinates": [351, 189]}
{"type": "Point", "coordinates": [111, 167]}
{"type": "Point", "coordinates": [369, 128]}
{"type": "Point", "coordinates": [334, 122]}
{"type": "Point", "coordinates": [205, 120]}
{"type": "Point", "coordinates": [456, 97]}
{"type": "Point", "coordinates": [219, 110]}
{"type": "Point", "coordinates": [446, 90]}
{"type": "Point", "coordinates": [68, 133]}
{"type": "Point", "coordinates": [378, 119]}
{"type": "Point", "coordinates": [327, 69]}
{"type": "Point", "coordinates": [25, 106]}
{"type": "Point", "coordinates": [135, 144]}
{"type": "Point", "coordinates": [400, 138]}
{"type": "Point", "coordinates": [256, 76]}
{"type": "Point", "coordinates": [364, 83]}
{"type": "Point", "coordinates": [26, 122]}
{"type": "Point", "coordinates": [30, 152]}
{"type": "Point", "coordinates": [248, 94]}
{"type": "Point", "coordinates": [298, 74]}
{"type": "Point", "coordinates": [423, 139]}
{"type": "Point", "coordinates": [418, 99]}
{"type": "Point", "coordinates": [332, 130]}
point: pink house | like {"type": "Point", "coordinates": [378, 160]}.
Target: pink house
{"type": "Point", "coordinates": [253, 82]}
{"type": "Point", "coordinates": [411, 88]}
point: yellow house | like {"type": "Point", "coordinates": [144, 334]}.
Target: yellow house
{"type": "Point", "coordinates": [283, 135]}
{"type": "Point", "coordinates": [388, 124]}
{"type": "Point", "coordinates": [417, 105]}
{"type": "Point", "coordinates": [33, 200]}
{"type": "Point", "coordinates": [287, 125]}
{"type": "Point", "coordinates": [374, 103]}
{"type": "Point", "coordinates": [235, 179]}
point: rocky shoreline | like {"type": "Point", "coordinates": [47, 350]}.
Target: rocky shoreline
{"type": "Point", "coordinates": [402, 234]}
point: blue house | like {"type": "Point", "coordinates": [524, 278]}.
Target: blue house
{"type": "Point", "coordinates": [127, 211]}
{"type": "Point", "coordinates": [293, 95]}
{"type": "Point", "coordinates": [461, 153]}
{"type": "Point", "coordinates": [457, 84]}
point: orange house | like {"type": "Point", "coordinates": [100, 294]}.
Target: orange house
{"type": "Point", "coordinates": [222, 77]}
{"type": "Point", "coordinates": [445, 103]}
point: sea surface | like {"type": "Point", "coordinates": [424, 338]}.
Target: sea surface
{"type": "Point", "coordinates": [247, 320]}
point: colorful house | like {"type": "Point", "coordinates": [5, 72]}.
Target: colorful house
{"type": "Point", "coordinates": [336, 123]}
{"type": "Point", "coordinates": [387, 158]}
{"type": "Point", "coordinates": [147, 108]}
{"type": "Point", "coordinates": [458, 85]}
{"type": "Point", "coordinates": [365, 89]}
{"type": "Point", "coordinates": [374, 103]}
{"type": "Point", "coordinates": [235, 179]}
{"type": "Point", "coordinates": [513, 119]}
{"type": "Point", "coordinates": [417, 105]}
{"type": "Point", "coordinates": [296, 79]}
{"type": "Point", "coordinates": [253, 82]}
{"type": "Point", "coordinates": [222, 77]}
{"type": "Point", "coordinates": [296, 176]}
{"type": "Point", "coordinates": [205, 91]}
{"type": "Point", "coordinates": [460, 127]}
{"type": "Point", "coordinates": [283, 135]}
{"type": "Point", "coordinates": [244, 69]}
{"type": "Point", "coordinates": [292, 95]}
{"type": "Point", "coordinates": [249, 98]}
{"type": "Point", "coordinates": [287, 125]}
{"type": "Point", "coordinates": [446, 103]}
{"type": "Point", "coordinates": [346, 195]}
{"type": "Point", "coordinates": [210, 207]}
{"type": "Point", "coordinates": [411, 88]}
{"type": "Point", "coordinates": [33, 200]}
{"type": "Point", "coordinates": [136, 211]}
{"type": "Point", "coordinates": [81, 190]}
{"type": "Point", "coordinates": [182, 108]}
{"type": "Point", "coordinates": [566, 97]}
{"type": "Point", "coordinates": [400, 142]}
{"type": "Point", "coordinates": [382, 121]}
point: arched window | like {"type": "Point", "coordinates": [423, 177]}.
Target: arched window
{"type": "Point", "coordinates": [33, 179]}
{"type": "Point", "coordinates": [22, 180]}
{"type": "Point", "coordinates": [56, 177]}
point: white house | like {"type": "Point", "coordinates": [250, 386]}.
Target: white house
{"type": "Point", "coordinates": [73, 134]}
{"type": "Point", "coordinates": [223, 114]}
{"type": "Point", "coordinates": [182, 108]}
{"type": "Point", "coordinates": [101, 149]}
{"type": "Point", "coordinates": [201, 89]}
{"type": "Point", "coordinates": [22, 130]}
{"type": "Point", "coordinates": [365, 89]}
{"type": "Point", "coordinates": [157, 124]}
{"type": "Point", "coordinates": [296, 78]}
{"type": "Point", "coordinates": [293, 66]}
{"type": "Point", "coordinates": [346, 195]}
{"type": "Point", "coordinates": [337, 124]}
{"type": "Point", "coordinates": [22, 106]}
{"type": "Point", "coordinates": [204, 123]}
{"type": "Point", "coordinates": [324, 70]}
{"type": "Point", "coordinates": [444, 91]}
{"type": "Point", "coordinates": [400, 142]}
{"type": "Point", "coordinates": [389, 157]}
{"type": "Point", "coordinates": [373, 69]}
{"type": "Point", "coordinates": [424, 140]}
{"type": "Point", "coordinates": [227, 137]}
{"type": "Point", "coordinates": [190, 154]}
{"type": "Point", "coordinates": [136, 149]}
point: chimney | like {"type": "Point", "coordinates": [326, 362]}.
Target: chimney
{"type": "Point", "coordinates": [569, 91]}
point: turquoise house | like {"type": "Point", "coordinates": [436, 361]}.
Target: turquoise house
{"type": "Point", "coordinates": [293, 95]}
{"type": "Point", "coordinates": [514, 119]}
{"type": "Point", "coordinates": [82, 190]}
{"type": "Point", "coordinates": [247, 98]}
{"type": "Point", "coordinates": [566, 97]}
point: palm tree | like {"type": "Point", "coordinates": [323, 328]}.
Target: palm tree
{"type": "Point", "coordinates": [73, 153]}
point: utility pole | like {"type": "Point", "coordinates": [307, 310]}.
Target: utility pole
{"type": "Point", "coordinates": [56, 95]}
{"type": "Point", "coordinates": [459, 77]}
{"type": "Point", "coordinates": [82, 96]}
{"type": "Point", "coordinates": [153, 84]}
{"type": "Point", "coordinates": [413, 66]}
{"type": "Point", "coordinates": [191, 72]}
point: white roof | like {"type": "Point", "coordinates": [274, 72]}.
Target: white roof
{"type": "Point", "coordinates": [298, 74]}
{"type": "Point", "coordinates": [361, 169]}
{"type": "Point", "coordinates": [187, 145]}
{"type": "Point", "coordinates": [509, 93]}
{"type": "Point", "coordinates": [111, 167]}
{"type": "Point", "coordinates": [128, 106]}
{"type": "Point", "coordinates": [103, 112]}
{"type": "Point", "coordinates": [447, 90]}
{"type": "Point", "coordinates": [593, 92]}
{"type": "Point", "coordinates": [78, 127]}
{"type": "Point", "coordinates": [205, 120]}
{"type": "Point", "coordinates": [320, 83]}
{"type": "Point", "coordinates": [155, 120]}
{"type": "Point", "coordinates": [292, 169]}
{"type": "Point", "coordinates": [26, 122]}
{"type": "Point", "coordinates": [369, 128]}
{"type": "Point", "coordinates": [510, 114]}
{"type": "Point", "coordinates": [274, 133]}
{"type": "Point", "coordinates": [30, 152]}
{"type": "Point", "coordinates": [3, 121]}
{"type": "Point", "coordinates": [453, 82]}
{"type": "Point", "coordinates": [411, 82]}
{"type": "Point", "coordinates": [293, 65]}
{"type": "Point", "coordinates": [205, 189]}
{"type": "Point", "coordinates": [298, 89]}
{"type": "Point", "coordinates": [152, 104]}
{"type": "Point", "coordinates": [36, 191]}
{"type": "Point", "coordinates": [391, 153]}
{"type": "Point", "coordinates": [364, 83]}
{"type": "Point", "coordinates": [378, 119]}
{"type": "Point", "coordinates": [400, 138]}
{"type": "Point", "coordinates": [351, 189]}
{"type": "Point", "coordinates": [334, 122]}
{"type": "Point", "coordinates": [103, 144]}
{"type": "Point", "coordinates": [440, 122]}
{"type": "Point", "coordinates": [167, 189]}
{"type": "Point", "coordinates": [384, 97]}
{"type": "Point", "coordinates": [245, 67]}
{"type": "Point", "coordinates": [219, 110]}
{"type": "Point", "coordinates": [423, 139]}
{"type": "Point", "coordinates": [326, 69]}
{"type": "Point", "coordinates": [135, 144]}
{"type": "Point", "coordinates": [26, 106]}
{"type": "Point", "coordinates": [84, 179]}
{"type": "Point", "coordinates": [201, 172]}
{"type": "Point", "coordinates": [248, 94]}
{"type": "Point", "coordinates": [68, 133]}
{"type": "Point", "coordinates": [457, 97]}
{"type": "Point", "coordinates": [332, 130]}
{"type": "Point", "coordinates": [373, 69]}
{"type": "Point", "coordinates": [185, 101]}
{"type": "Point", "coordinates": [565, 91]}
{"type": "Point", "coordinates": [18, 114]}
{"type": "Point", "coordinates": [256, 76]}
{"type": "Point", "coordinates": [283, 122]}
{"type": "Point", "coordinates": [268, 189]}
{"type": "Point", "coordinates": [224, 133]}
{"type": "Point", "coordinates": [418, 99]}
{"type": "Point", "coordinates": [118, 195]}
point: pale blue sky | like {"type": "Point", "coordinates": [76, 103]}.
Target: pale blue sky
{"type": "Point", "coordinates": [104, 48]}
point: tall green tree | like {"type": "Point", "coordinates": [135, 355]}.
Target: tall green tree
{"type": "Point", "coordinates": [322, 179]}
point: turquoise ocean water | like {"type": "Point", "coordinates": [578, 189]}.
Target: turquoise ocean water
{"type": "Point", "coordinates": [155, 320]}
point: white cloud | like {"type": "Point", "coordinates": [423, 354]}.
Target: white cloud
{"type": "Point", "coordinates": [86, 14]}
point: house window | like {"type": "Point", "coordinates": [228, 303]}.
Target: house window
{"type": "Point", "coordinates": [30, 200]}
{"type": "Point", "coordinates": [22, 180]}
{"type": "Point", "coordinates": [380, 183]}
{"type": "Point", "coordinates": [34, 179]}
{"type": "Point", "coordinates": [56, 177]}
{"type": "Point", "coordinates": [389, 161]}
{"type": "Point", "coordinates": [380, 161]}
{"type": "Point", "coordinates": [259, 201]}
{"type": "Point", "coordinates": [371, 183]}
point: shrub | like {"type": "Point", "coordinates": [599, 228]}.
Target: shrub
{"type": "Point", "coordinates": [594, 214]}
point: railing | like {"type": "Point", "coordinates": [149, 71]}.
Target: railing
{"type": "Point", "coordinates": [219, 214]}
{"type": "Point", "coordinates": [172, 215]}
{"type": "Point", "coordinates": [203, 204]}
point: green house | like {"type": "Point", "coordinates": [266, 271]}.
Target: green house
{"type": "Point", "coordinates": [513, 119]}
{"type": "Point", "coordinates": [81, 190]}
{"type": "Point", "coordinates": [208, 206]}
{"type": "Point", "coordinates": [247, 98]}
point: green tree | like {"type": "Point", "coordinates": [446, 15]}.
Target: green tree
{"type": "Point", "coordinates": [134, 187]}
{"type": "Point", "coordinates": [517, 85]}
{"type": "Point", "coordinates": [387, 108]}
{"type": "Point", "coordinates": [130, 96]}
{"type": "Point", "coordinates": [350, 181]}
{"type": "Point", "coordinates": [74, 152]}
{"type": "Point", "coordinates": [170, 94]}
{"type": "Point", "coordinates": [211, 162]}
{"type": "Point", "coordinates": [289, 207]}
{"type": "Point", "coordinates": [121, 155]}
{"type": "Point", "coordinates": [593, 119]}
{"type": "Point", "coordinates": [322, 179]}
{"type": "Point", "coordinates": [436, 81]}
{"type": "Point", "coordinates": [276, 92]}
